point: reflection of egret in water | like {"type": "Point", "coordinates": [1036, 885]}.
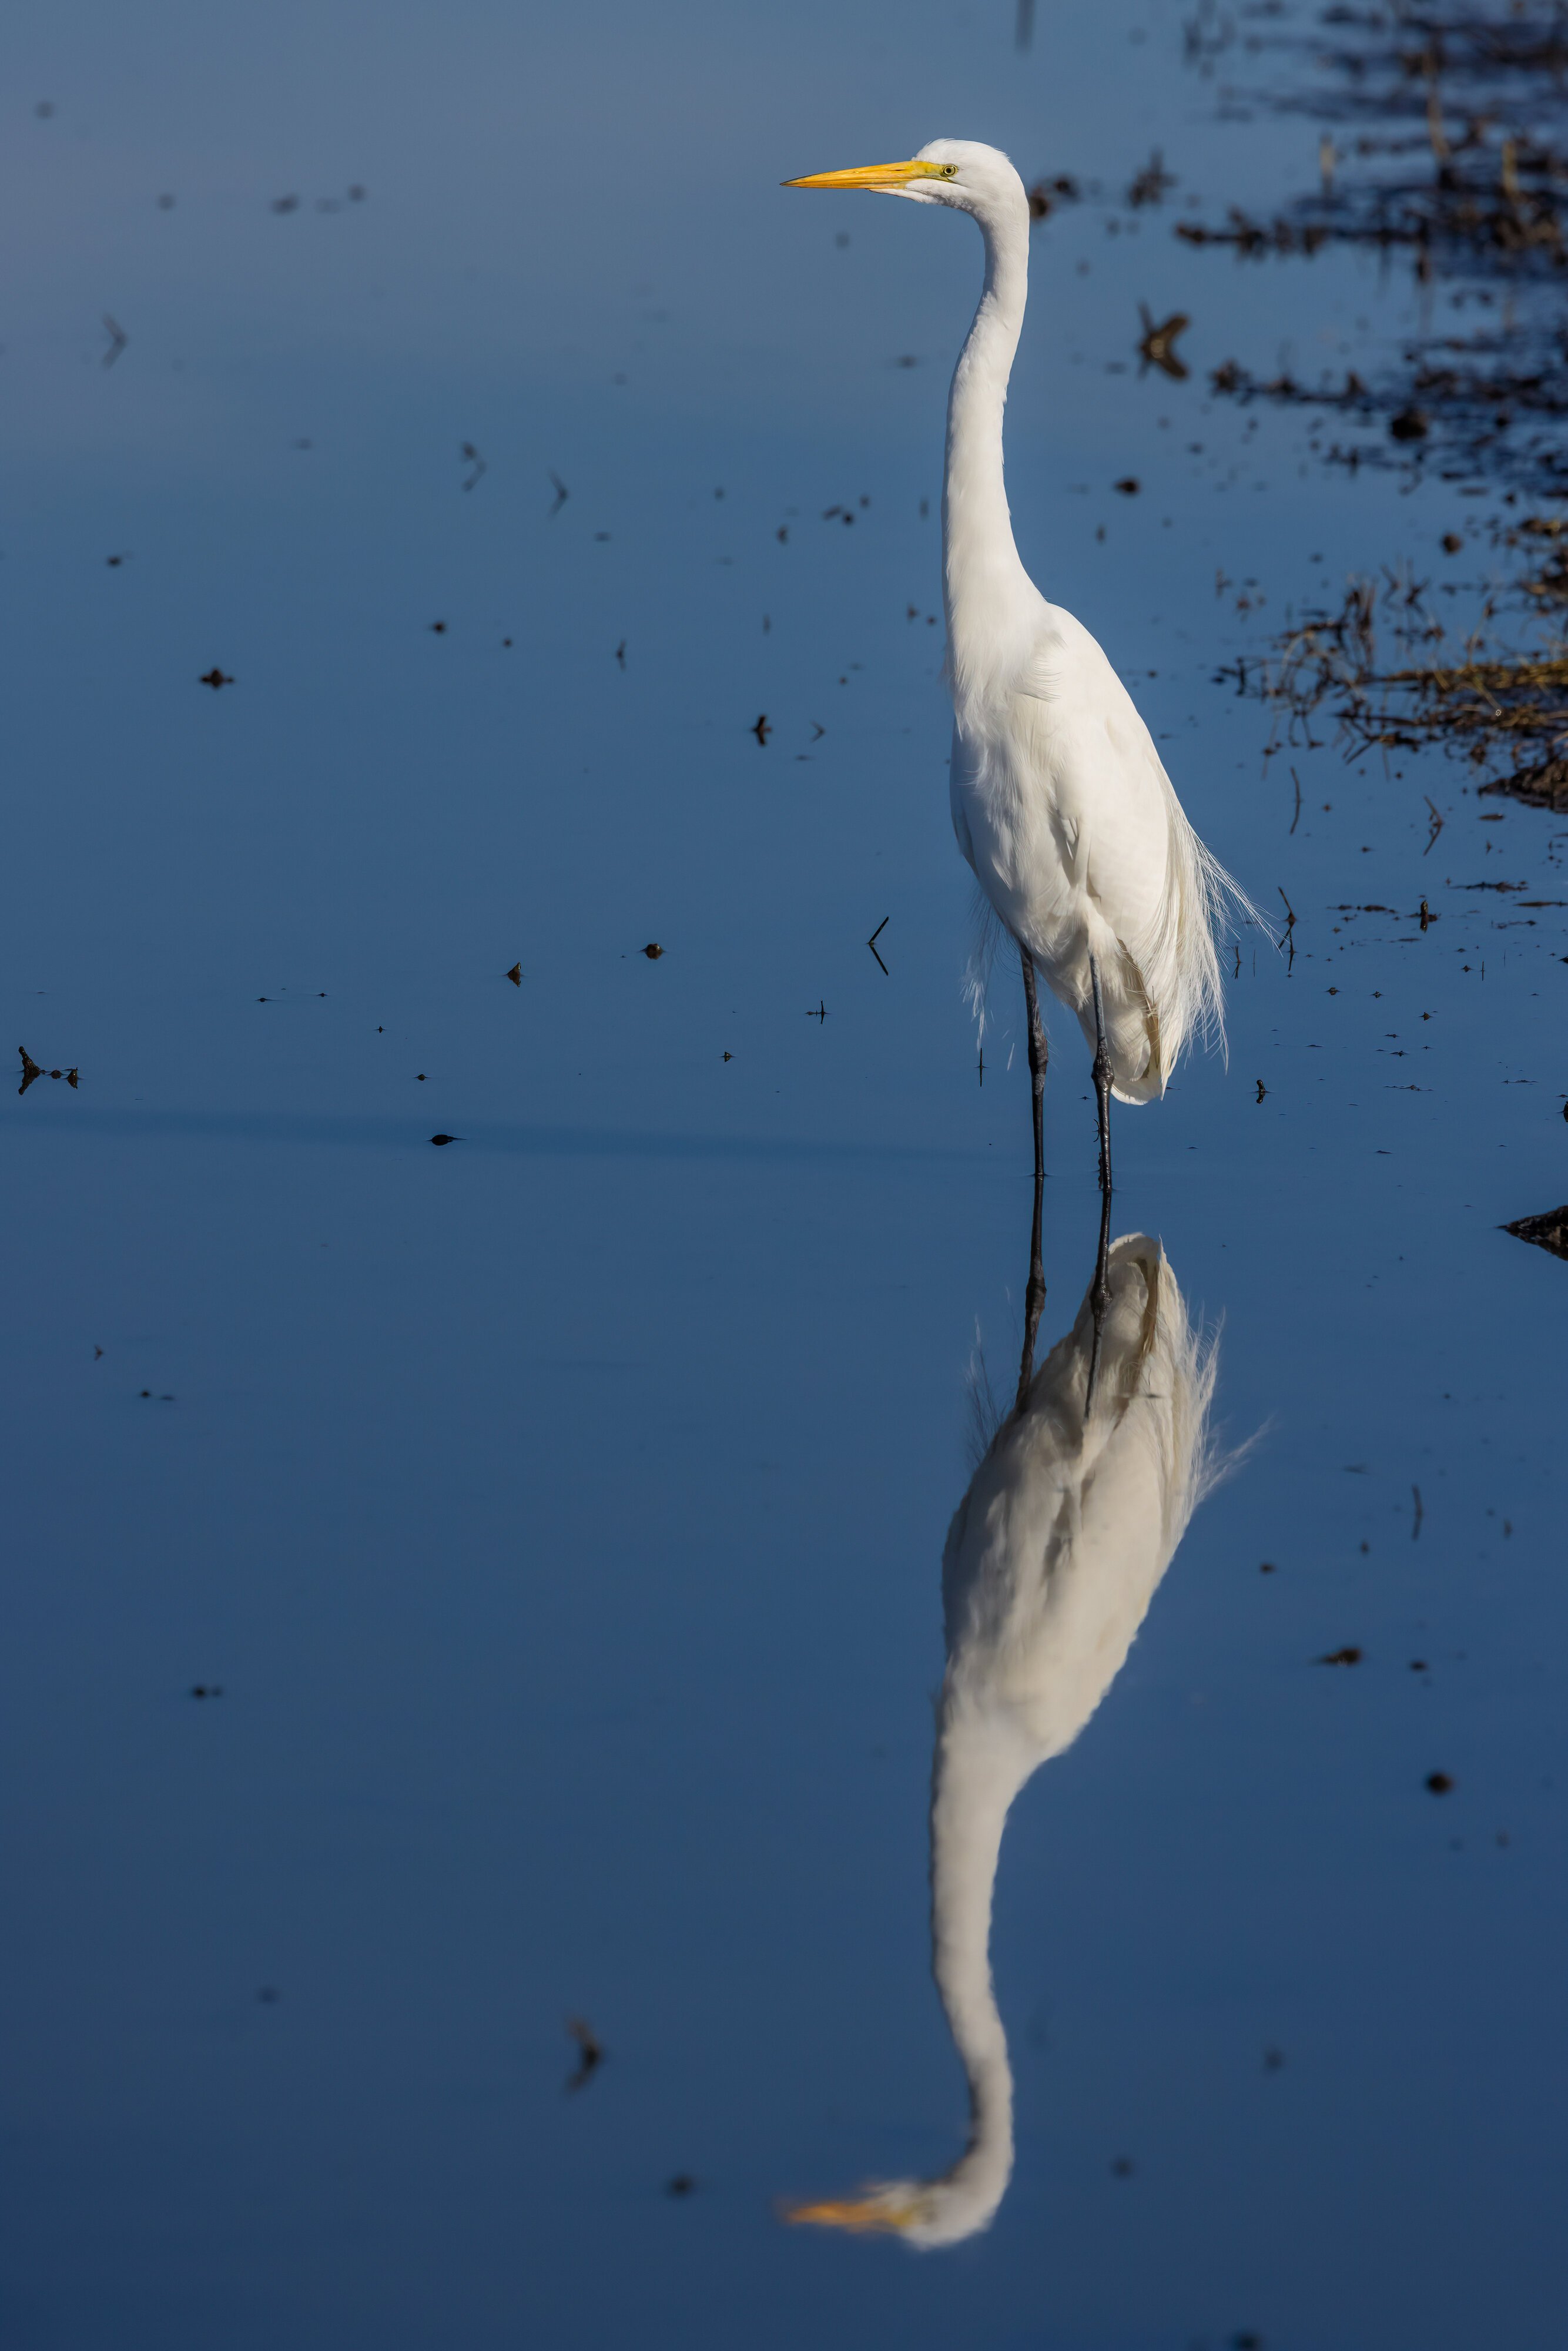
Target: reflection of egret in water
{"type": "Point", "coordinates": [1051, 1561]}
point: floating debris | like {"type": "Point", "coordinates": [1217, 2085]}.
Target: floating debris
{"type": "Point", "coordinates": [1548, 1231]}
{"type": "Point", "coordinates": [590, 2052]}
{"type": "Point", "coordinates": [1046, 194]}
{"type": "Point", "coordinates": [1150, 185]}
{"type": "Point", "coordinates": [32, 1069]}
{"type": "Point", "coordinates": [1157, 347]}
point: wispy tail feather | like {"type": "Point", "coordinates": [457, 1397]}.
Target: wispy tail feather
{"type": "Point", "coordinates": [1180, 963]}
{"type": "Point", "coordinates": [984, 935]}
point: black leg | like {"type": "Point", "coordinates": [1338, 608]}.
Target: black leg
{"type": "Point", "coordinates": [1099, 1300]}
{"type": "Point", "coordinates": [1100, 1296]}
{"type": "Point", "coordinates": [1035, 1297]}
{"type": "Point", "coordinates": [1101, 1076]}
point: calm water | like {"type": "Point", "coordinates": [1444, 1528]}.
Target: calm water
{"type": "Point", "coordinates": [560, 1514]}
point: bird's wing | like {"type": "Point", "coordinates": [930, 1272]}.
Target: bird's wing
{"type": "Point", "coordinates": [1134, 853]}
{"type": "Point", "coordinates": [1110, 791]}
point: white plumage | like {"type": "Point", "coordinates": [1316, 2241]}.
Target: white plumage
{"type": "Point", "coordinates": [1060, 802]}
{"type": "Point", "coordinates": [1051, 1561]}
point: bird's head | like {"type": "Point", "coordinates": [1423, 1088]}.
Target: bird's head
{"type": "Point", "coordinates": [925, 2213]}
{"type": "Point", "coordinates": [959, 172]}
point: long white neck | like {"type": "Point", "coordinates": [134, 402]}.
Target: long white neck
{"type": "Point", "coordinates": [980, 1765]}
{"type": "Point", "coordinates": [982, 575]}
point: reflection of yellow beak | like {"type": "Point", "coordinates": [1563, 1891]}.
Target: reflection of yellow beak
{"type": "Point", "coordinates": [856, 2212]}
{"type": "Point", "coordinates": [868, 175]}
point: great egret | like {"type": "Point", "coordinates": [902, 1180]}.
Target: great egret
{"type": "Point", "coordinates": [1051, 1561]}
{"type": "Point", "coordinates": [1060, 803]}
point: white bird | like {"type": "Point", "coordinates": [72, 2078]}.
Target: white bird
{"type": "Point", "coordinates": [1060, 803]}
{"type": "Point", "coordinates": [1051, 1561]}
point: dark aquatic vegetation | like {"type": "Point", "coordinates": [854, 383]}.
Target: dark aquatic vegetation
{"type": "Point", "coordinates": [1513, 702]}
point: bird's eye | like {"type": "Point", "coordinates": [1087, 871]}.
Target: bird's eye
{"type": "Point", "coordinates": [947, 170]}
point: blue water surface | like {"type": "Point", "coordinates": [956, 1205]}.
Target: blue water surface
{"type": "Point", "coordinates": [554, 1519]}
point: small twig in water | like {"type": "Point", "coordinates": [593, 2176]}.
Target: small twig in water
{"type": "Point", "coordinates": [590, 2052]}
{"type": "Point", "coordinates": [1437, 829]}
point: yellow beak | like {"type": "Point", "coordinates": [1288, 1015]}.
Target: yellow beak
{"type": "Point", "coordinates": [856, 2213]}
{"type": "Point", "coordinates": [868, 175]}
